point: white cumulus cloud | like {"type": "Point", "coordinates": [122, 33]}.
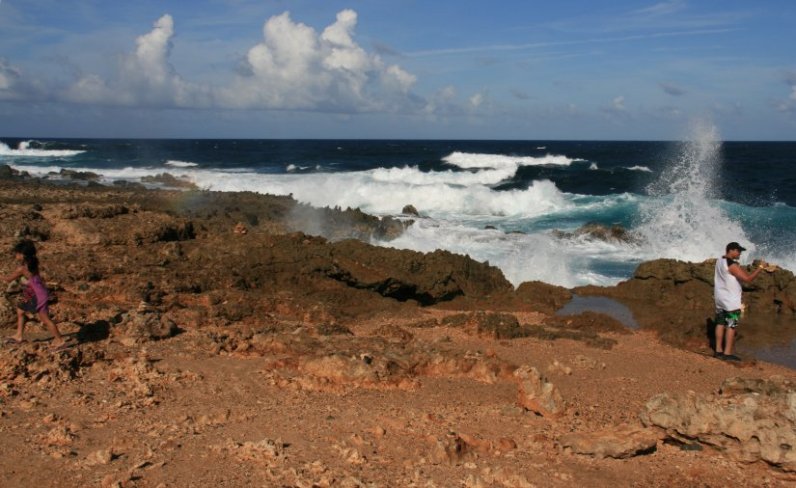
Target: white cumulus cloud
{"type": "Point", "coordinates": [293, 67]}
{"type": "Point", "coordinates": [145, 77]}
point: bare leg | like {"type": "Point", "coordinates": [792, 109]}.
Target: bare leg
{"type": "Point", "coordinates": [730, 341]}
{"type": "Point", "coordinates": [720, 339]}
{"type": "Point", "coordinates": [20, 325]}
{"type": "Point", "coordinates": [57, 339]}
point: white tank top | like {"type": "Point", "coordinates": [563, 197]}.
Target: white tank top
{"type": "Point", "coordinates": [727, 288]}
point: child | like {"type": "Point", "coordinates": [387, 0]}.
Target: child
{"type": "Point", "coordinates": [34, 296]}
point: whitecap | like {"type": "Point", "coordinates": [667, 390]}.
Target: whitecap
{"type": "Point", "coordinates": [25, 151]}
{"type": "Point", "coordinates": [496, 161]}
{"type": "Point", "coordinates": [639, 168]}
{"type": "Point", "coordinates": [181, 164]}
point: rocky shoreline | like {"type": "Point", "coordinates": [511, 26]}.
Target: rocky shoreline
{"type": "Point", "coordinates": [236, 339]}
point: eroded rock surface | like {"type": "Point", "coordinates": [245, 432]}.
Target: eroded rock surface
{"type": "Point", "coordinates": [750, 420]}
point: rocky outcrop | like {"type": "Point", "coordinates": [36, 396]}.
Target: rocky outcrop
{"type": "Point", "coordinates": [676, 299]}
{"type": "Point", "coordinates": [750, 420]}
{"type": "Point", "coordinates": [403, 275]}
{"type": "Point", "coordinates": [542, 296]}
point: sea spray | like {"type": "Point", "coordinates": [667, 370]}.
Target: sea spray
{"type": "Point", "coordinates": [683, 219]}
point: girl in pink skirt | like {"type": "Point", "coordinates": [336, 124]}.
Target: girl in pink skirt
{"type": "Point", "coordinates": [35, 295]}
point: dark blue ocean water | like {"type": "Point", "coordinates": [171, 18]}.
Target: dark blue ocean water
{"type": "Point", "coordinates": [752, 173]}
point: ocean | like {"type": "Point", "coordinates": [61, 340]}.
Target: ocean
{"type": "Point", "coordinates": [497, 201]}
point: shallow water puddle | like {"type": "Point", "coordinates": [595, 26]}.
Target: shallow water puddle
{"type": "Point", "coordinates": [607, 306]}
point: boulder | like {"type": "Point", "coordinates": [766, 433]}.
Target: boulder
{"type": "Point", "coordinates": [542, 296]}
{"type": "Point", "coordinates": [618, 442]}
{"type": "Point", "coordinates": [594, 230]}
{"type": "Point", "coordinates": [410, 210]}
{"type": "Point", "coordinates": [750, 420]}
{"type": "Point", "coordinates": [537, 394]}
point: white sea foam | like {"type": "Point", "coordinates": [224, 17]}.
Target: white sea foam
{"type": "Point", "coordinates": [521, 257]}
{"type": "Point", "coordinates": [387, 192]}
{"type": "Point", "coordinates": [25, 151]}
{"type": "Point", "coordinates": [593, 167]}
{"type": "Point", "coordinates": [478, 160]}
{"type": "Point", "coordinates": [181, 164]}
{"type": "Point", "coordinates": [640, 168]}
{"type": "Point", "coordinates": [291, 167]}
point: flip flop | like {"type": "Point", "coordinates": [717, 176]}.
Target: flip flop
{"type": "Point", "coordinates": [12, 341]}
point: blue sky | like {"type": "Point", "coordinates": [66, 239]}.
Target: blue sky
{"type": "Point", "coordinates": [397, 69]}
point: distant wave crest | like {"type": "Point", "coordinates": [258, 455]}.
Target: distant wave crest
{"type": "Point", "coordinates": [25, 150]}
{"type": "Point", "coordinates": [501, 161]}
{"type": "Point", "coordinates": [181, 164]}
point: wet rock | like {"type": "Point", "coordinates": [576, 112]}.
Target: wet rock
{"type": "Point", "coordinates": [593, 230]}
{"type": "Point", "coordinates": [169, 180]}
{"type": "Point", "coordinates": [7, 172]}
{"type": "Point", "coordinates": [619, 442]}
{"type": "Point", "coordinates": [338, 224]}
{"type": "Point", "coordinates": [410, 210]}
{"type": "Point", "coordinates": [752, 420]}
{"type": "Point", "coordinates": [537, 394]}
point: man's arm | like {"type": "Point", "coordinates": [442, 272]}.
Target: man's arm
{"type": "Point", "coordinates": [742, 275]}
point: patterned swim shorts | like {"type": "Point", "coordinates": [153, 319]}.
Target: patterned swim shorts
{"type": "Point", "coordinates": [728, 319]}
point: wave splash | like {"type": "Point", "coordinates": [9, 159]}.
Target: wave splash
{"type": "Point", "coordinates": [683, 220]}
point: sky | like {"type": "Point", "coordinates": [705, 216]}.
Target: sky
{"type": "Point", "coordinates": [397, 69]}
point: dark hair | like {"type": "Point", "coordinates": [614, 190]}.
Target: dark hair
{"type": "Point", "coordinates": [32, 262]}
{"type": "Point", "coordinates": [28, 251]}
{"type": "Point", "coordinates": [25, 247]}
{"type": "Point", "coordinates": [734, 246]}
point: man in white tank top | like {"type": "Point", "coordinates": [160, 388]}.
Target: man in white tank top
{"type": "Point", "coordinates": [727, 294]}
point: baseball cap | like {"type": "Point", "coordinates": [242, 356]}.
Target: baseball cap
{"type": "Point", "coordinates": [734, 245]}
